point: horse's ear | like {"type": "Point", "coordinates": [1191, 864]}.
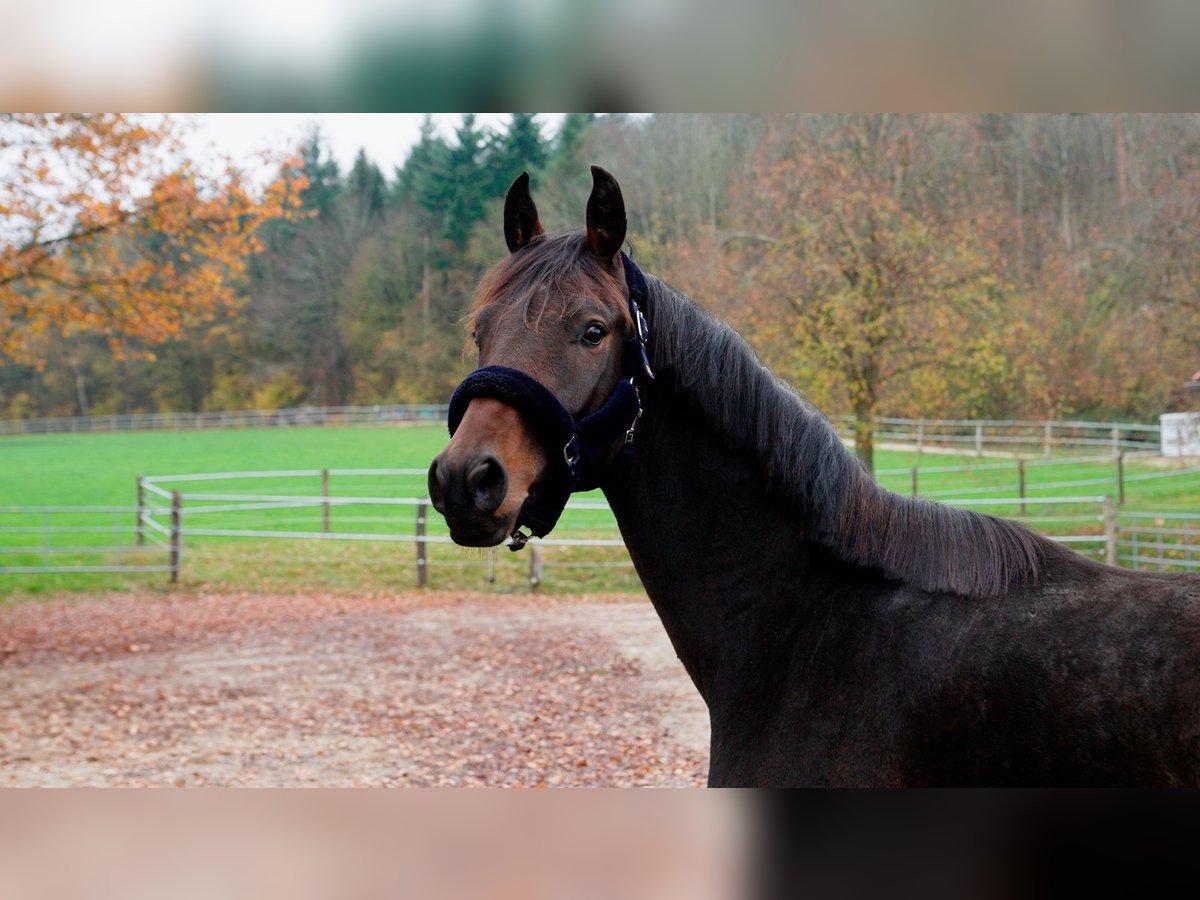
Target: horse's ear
{"type": "Point", "coordinates": [521, 223]}
{"type": "Point", "coordinates": [605, 216]}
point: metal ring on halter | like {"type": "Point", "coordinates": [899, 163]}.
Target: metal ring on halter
{"type": "Point", "coordinates": [571, 454]}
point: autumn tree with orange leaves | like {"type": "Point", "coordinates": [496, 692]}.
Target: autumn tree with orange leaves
{"type": "Point", "coordinates": [105, 228]}
{"type": "Point", "coordinates": [862, 256]}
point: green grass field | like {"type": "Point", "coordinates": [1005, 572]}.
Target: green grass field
{"type": "Point", "coordinates": [100, 470]}
{"type": "Point", "coordinates": [87, 469]}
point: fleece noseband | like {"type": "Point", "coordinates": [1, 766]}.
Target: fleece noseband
{"type": "Point", "coordinates": [573, 446]}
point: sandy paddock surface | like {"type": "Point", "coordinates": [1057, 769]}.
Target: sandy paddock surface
{"type": "Point", "coordinates": [424, 689]}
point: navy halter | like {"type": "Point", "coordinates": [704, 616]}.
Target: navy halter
{"type": "Point", "coordinates": [572, 445]}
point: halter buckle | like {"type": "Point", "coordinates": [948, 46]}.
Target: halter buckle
{"type": "Point", "coordinates": [638, 417]}
{"type": "Point", "coordinates": [571, 453]}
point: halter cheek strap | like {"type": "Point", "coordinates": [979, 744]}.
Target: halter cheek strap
{"type": "Point", "coordinates": [572, 446]}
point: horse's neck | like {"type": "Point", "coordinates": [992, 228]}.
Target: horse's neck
{"type": "Point", "coordinates": [723, 561]}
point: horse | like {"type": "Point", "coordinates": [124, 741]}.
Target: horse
{"type": "Point", "coordinates": [840, 634]}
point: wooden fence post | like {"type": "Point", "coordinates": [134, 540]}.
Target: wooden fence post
{"type": "Point", "coordinates": [1021, 483]}
{"type": "Point", "coordinates": [140, 537]}
{"type": "Point", "coordinates": [1116, 439]}
{"type": "Point", "coordinates": [978, 439]}
{"type": "Point", "coordinates": [1110, 532]}
{"type": "Point", "coordinates": [1121, 478]}
{"type": "Point", "coordinates": [325, 501]}
{"type": "Point", "coordinates": [536, 566]}
{"type": "Point", "coordinates": [920, 437]}
{"type": "Point", "coordinates": [422, 560]}
{"type": "Point", "coordinates": [914, 481]}
{"type": "Point", "coordinates": [1046, 439]}
{"type": "Point", "coordinates": [176, 537]}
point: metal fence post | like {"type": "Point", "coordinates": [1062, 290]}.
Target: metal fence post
{"type": "Point", "coordinates": [176, 536]}
{"type": "Point", "coordinates": [325, 501]}
{"type": "Point", "coordinates": [140, 536]}
{"type": "Point", "coordinates": [1110, 532]}
{"type": "Point", "coordinates": [422, 560]}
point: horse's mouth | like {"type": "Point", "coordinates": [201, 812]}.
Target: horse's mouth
{"type": "Point", "coordinates": [480, 535]}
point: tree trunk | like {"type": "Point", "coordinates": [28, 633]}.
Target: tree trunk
{"type": "Point", "coordinates": [1020, 212]}
{"type": "Point", "coordinates": [1122, 175]}
{"type": "Point", "coordinates": [81, 393]}
{"type": "Point", "coordinates": [425, 286]}
{"type": "Point", "coordinates": [864, 434]}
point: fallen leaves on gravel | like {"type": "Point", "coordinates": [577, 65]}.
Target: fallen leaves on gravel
{"type": "Point", "coordinates": [335, 690]}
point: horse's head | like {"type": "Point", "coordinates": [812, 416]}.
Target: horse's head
{"type": "Point", "coordinates": [553, 325]}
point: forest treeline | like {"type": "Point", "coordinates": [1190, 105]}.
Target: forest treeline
{"type": "Point", "coordinates": [992, 266]}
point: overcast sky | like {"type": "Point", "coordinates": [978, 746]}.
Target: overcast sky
{"type": "Point", "coordinates": [387, 137]}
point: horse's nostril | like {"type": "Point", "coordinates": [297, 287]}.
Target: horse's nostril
{"type": "Point", "coordinates": [488, 484]}
{"type": "Point", "coordinates": [437, 492]}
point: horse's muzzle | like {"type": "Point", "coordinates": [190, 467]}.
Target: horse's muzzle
{"type": "Point", "coordinates": [469, 494]}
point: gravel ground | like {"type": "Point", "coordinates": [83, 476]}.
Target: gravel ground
{"type": "Point", "coordinates": [416, 689]}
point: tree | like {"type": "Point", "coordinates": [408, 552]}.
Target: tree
{"type": "Point", "coordinates": [367, 185]}
{"type": "Point", "coordinates": [297, 291]}
{"type": "Point", "coordinates": [465, 186]}
{"type": "Point", "coordinates": [868, 254]}
{"type": "Point", "coordinates": [321, 174]}
{"type": "Point", "coordinates": [106, 232]}
{"type": "Point", "coordinates": [519, 148]}
{"type": "Point", "coordinates": [421, 180]}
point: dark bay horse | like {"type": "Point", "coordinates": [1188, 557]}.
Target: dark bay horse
{"type": "Point", "coordinates": [839, 633]}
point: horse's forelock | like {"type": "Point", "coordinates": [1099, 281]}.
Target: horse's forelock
{"type": "Point", "coordinates": [552, 269]}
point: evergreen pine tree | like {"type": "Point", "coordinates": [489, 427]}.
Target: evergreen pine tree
{"type": "Point", "coordinates": [566, 142]}
{"type": "Point", "coordinates": [366, 183]}
{"type": "Point", "coordinates": [322, 173]}
{"type": "Point", "coordinates": [423, 180]}
{"type": "Point", "coordinates": [520, 148]}
{"type": "Point", "coordinates": [465, 182]}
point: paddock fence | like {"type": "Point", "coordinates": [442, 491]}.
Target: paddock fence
{"type": "Point", "coordinates": [1079, 501]}
{"type": "Point", "coordinates": [301, 505]}
{"type": "Point", "coordinates": [83, 539]}
{"type": "Point", "coordinates": [171, 527]}
{"type": "Point", "coordinates": [979, 436]}
{"type": "Point", "coordinates": [1022, 478]}
{"type": "Point", "coordinates": [301, 416]}
{"type": "Point", "coordinates": [1009, 437]}
{"type": "Point", "coordinates": [364, 506]}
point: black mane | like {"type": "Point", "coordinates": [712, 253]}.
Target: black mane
{"type": "Point", "coordinates": [927, 545]}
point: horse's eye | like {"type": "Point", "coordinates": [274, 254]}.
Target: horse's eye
{"type": "Point", "coordinates": [475, 337]}
{"type": "Point", "coordinates": [594, 334]}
